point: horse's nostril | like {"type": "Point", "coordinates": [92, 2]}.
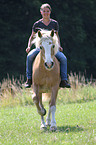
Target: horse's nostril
{"type": "Point", "coordinates": [49, 65]}
{"type": "Point", "coordinates": [46, 64]}
{"type": "Point", "coordinates": [52, 63]}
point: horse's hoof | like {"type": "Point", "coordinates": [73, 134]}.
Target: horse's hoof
{"type": "Point", "coordinates": [44, 113]}
{"type": "Point", "coordinates": [53, 128]}
{"type": "Point", "coordinates": [48, 124]}
{"type": "Point", "coordinates": [43, 127]}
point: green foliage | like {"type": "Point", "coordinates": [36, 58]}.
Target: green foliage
{"type": "Point", "coordinates": [77, 21]}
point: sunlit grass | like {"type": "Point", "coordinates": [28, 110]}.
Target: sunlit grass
{"type": "Point", "coordinates": [75, 114]}
{"type": "Point", "coordinates": [76, 124]}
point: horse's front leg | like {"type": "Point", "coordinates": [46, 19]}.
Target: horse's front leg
{"type": "Point", "coordinates": [37, 99]}
{"type": "Point", "coordinates": [43, 125]}
{"type": "Point", "coordinates": [53, 126]}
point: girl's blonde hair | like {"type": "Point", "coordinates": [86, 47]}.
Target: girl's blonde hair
{"type": "Point", "coordinates": [45, 6]}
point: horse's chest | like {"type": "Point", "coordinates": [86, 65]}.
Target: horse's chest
{"type": "Point", "coordinates": [43, 77]}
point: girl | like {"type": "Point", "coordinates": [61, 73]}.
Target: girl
{"type": "Point", "coordinates": [45, 23]}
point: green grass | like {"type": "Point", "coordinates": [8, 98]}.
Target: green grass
{"type": "Point", "coordinates": [76, 124]}
{"type": "Point", "coordinates": [75, 115]}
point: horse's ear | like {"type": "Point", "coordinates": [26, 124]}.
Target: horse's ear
{"type": "Point", "coordinates": [39, 34]}
{"type": "Point", "coordinates": [52, 33]}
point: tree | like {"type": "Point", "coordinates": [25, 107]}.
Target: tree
{"type": "Point", "coordinates": [77, 30]}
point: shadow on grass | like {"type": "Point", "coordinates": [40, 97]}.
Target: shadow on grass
{"type": "Point", "coordinates": [66, 129]}
{"type": "Point", "coordinates": [69, 129]}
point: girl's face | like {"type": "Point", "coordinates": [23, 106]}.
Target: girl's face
{"type": "Point", "coordinates": [46, 13]}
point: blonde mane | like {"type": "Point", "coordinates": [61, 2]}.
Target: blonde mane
{"type": "Point", "coordinates": [46, 35]}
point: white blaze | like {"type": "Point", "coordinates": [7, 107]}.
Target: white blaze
{"type": "Point", "coordinates": [47, 48]}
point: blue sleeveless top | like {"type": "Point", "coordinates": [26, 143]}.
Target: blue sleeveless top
{"type": "Point", "coordinates": [40, 25]}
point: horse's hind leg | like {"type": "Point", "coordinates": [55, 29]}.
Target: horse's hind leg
{"type": "Point", "coordinates": [43, 125]}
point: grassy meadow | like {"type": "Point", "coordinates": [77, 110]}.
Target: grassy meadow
{"type": "Point", "coordinates": [75, 114]}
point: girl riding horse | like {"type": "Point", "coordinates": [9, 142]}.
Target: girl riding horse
{"type": "Point", "coordinates": [45, 23]}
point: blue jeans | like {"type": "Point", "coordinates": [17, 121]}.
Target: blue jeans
{"type": "Point", "coordinates": [59, 55]}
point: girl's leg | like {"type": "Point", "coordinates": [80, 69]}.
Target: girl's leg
{"type": "Point", "coordinates": [63, 69]}
{"type": "Point", "coordinates": [63, 65]}
{"type": "Point", "coordinates": [29, 63]}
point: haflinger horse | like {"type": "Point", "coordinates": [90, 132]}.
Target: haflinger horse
{"type": "Point", "coordinates": [46, 75]}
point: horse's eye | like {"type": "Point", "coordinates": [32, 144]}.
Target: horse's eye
{"type": "Point", "coordinates": [53, 45]}
{"type": "Point", "coordinates": [40, 47]}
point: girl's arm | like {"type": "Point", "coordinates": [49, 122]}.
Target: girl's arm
{"type": "Point", "coordinates": [29, 42]}
{"type": "Point", "coordinates": [60, 48]}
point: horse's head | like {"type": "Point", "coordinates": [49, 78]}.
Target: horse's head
{"type": "Point", "coordinates": [49, 47]}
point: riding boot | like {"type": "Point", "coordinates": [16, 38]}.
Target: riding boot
{"type": "Point", "coordinates": [64, 84]}
{"type": "Point", "coordinates": [28, 83]}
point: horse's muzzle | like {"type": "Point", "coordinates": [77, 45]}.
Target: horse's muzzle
{"type": "Point", "coordinates": [49, 65]}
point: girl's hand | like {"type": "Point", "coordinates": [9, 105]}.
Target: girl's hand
{"type": "Point", "coordinates": [60, 49]}
{"type": "Point", "coordinates": [27, 49]}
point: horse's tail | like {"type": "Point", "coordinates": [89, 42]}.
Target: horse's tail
{"type": "Point", "coordinates": [46, 97]}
